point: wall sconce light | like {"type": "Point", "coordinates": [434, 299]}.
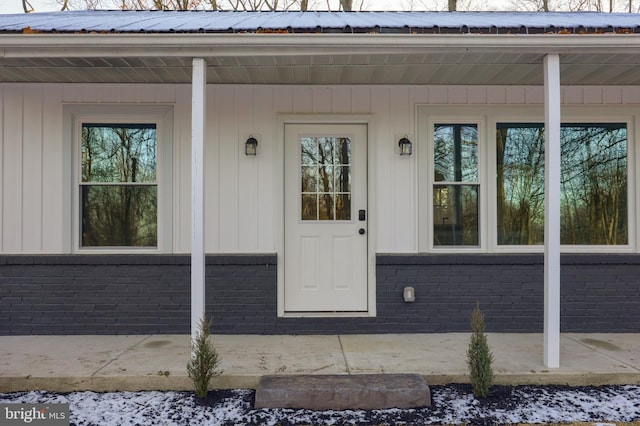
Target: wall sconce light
{"type": "Point", "coordinates": [251, 147]}
{"type": "Point", "coordinates": [405, 146]}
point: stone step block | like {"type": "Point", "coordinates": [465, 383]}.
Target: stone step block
{"type": "Point", "coordinates": [343, 392]}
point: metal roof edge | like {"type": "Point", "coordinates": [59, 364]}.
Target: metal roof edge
{"type": "Point", "coordinates": [408, 22]}
{"type": "Point", "coordinates": [206, 45]}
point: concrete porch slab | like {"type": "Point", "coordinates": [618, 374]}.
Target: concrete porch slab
{"type": "Point", "coordinates": [66, 356]}
{"type": "Point", "coordinates": [158, 362]}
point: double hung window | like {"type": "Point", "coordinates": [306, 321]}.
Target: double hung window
{"type": "Point", "coordinates": [455, 186]}
{"type": "Point", "coordinates": [118, 192]}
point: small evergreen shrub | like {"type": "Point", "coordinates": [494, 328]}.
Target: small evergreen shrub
{"type": "Point", "coordinates": [479, 357]}
{"type": "Point", "coordinates": [203, 365]}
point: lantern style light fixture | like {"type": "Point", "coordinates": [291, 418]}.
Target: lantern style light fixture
{"type": "Point", "coordinates": [251, 147]}
{"type": "Point", "coordinates": [405, 146]}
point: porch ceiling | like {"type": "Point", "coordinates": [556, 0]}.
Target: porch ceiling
{"type": "Point", "coordinates": [438, 67]}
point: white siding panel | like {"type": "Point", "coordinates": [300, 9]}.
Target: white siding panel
{"type": "Point", "coordinates": [72, 93]}
{"type": "Point", "coordinates": [572, 95]}
{"type": "Point", "coordinates": [12, 170]}
{"type": "Point", "coordinates": [534, 95]}
{"type": "Point", "coordinates": [215, 102]}
{"type": "Point", "coordinates": [243, 195]}
{"type": "Point", "coordinates": [477, 95]}
{"type": "Point", "coordinates": [302, 100]}
{"type": "Point", "coordinates": [2, 123]}
{"type": "Point", "coordinates": [404, 171]}
{"type": "Point", "coordinates": [93, 94]}
{"type": "Point", "coordinates": [341, 100]}
{"type": "Point", "coordinates": [268, 186]}
{"type": "Point", "coordinates": [382, 136]}
{"type": "Point", "coordinates": [228, 114]}
{"type": "Point", "coordinates": [147, 94]}
{"type": "Point", "coordinates": [124, 94]}
{"type": "Point", "coordinates": [283, 99]}
{"type": "Point", "coordinates": [32, 170]}
{"type": "Point", "coordinates": [612, 95]}
{"type": "Point", "coordinates": [248, 172]}
{"type": "Point", "coordinates": [592, 95]}
{"type": "Point", "coordinates": [360, 99]}
{"type": "Point", "coordinates": [631, 95]}
{"type": "Point", "coordinates": [182, 170]}
{"type": "Point", "coordinates": [321, 97]}
{"type": "Point", "coordinates": [496, 95]}
{"type": "Point", "coordinates": [458, 95]}
{"type": "Point", "coordinates": [166, 94]}
{"type": "Point", "coordinates": [439, 95]}
{"type": "Point", "coordinates": [516, 95]}
{"type": "Point", "coordinates": [419, 95]}
{"type": "Point", "coordinates": [56, 190]}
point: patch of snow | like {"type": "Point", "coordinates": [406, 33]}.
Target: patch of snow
{"type": "Point", "coordinates": [451, 404]}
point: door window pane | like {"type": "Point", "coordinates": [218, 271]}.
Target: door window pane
{"type": "Point", "coordinates": [309, 179]}
{"type": "Point", "coordinates": [325, 207]}
{"type": "Point", "coordinates": [326, 178]}
{"type": "Point", "coordinates": [118, 189]}
{"type": "Point", "coordinates": [309, 207]}
{"type": "Point", "coordinates": [593, 205]}
{"type": "Point", "coordinates": [343, 207]}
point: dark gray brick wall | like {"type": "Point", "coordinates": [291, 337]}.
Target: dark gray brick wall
{"type": "Point", "coordinates": [151, 294]}
{"type": "Point", "coordinates": [599, 293]}
{"type": "Point", "coordinates": [134, 294]}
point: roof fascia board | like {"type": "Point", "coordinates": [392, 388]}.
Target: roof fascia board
{"type": "Point", "coordinates": [205, 45]}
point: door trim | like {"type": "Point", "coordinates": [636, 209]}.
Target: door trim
{"type": "Point", "coordinates": [368, 120]}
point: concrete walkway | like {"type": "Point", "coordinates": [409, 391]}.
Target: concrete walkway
{"type": "Point", "coordinates": [158, 362]}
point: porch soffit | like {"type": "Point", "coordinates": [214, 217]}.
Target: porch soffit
{"type": "Point", "coordinates": [439, 68]}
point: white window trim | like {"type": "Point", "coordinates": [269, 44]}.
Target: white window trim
{"type": "Point", "coordinates": [162, 117]}
{"type": "Point", "coordinates": [487, 117]}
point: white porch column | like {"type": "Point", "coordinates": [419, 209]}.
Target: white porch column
{"type": "Point", "coordinates": [198, 123]}
{"type": "Point", "coordinates": [552, 211]}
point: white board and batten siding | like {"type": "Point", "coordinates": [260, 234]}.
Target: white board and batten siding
{"type": "Point", "coordinates": [242, 214]}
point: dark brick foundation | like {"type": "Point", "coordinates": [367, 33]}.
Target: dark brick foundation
{"type": "Point", "coordinates": [599, 293]}
{"type": "Point", "coordinates": [139, 294]}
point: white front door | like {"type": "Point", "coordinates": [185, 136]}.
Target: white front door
{"type": "Point", "coordinates": [325, 218]}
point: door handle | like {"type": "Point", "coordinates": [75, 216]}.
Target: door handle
{"type": "Point", "coordinates": [361, 231]}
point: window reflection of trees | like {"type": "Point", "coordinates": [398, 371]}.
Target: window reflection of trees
{"type": "Point", "coordinates": [326, 178]}
{"type": "Point", "coordinates": [456, 152]}
{"type": "Point", "coordinates": [455, 192]}
{"type": "Point", "coordinates": [118, 193]}
{"type": "Point", "coordinates": [593, 184]}
{"type": "Point", "coordinates": [520, 183]}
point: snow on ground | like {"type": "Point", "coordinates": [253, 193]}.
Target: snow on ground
{"type": "Point", "coordinates": [451, 404]}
